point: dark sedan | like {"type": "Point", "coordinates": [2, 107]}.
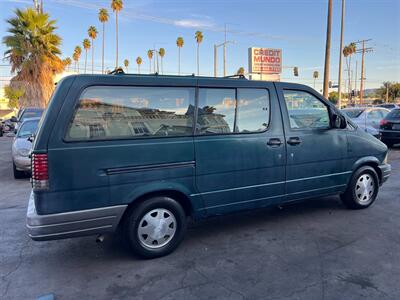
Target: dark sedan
{"type": "Point", "coordinates": [390, 128]}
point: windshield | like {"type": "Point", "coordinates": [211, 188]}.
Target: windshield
{"type": "Point", "coordinates": [28, 128]}
{"type": "Point", "coordinates": [31, 114]}
{"type": "Point", "coordinates": [353, 113]}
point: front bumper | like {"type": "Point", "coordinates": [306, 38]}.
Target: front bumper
{"type": "Point", "coordinates": [22, 163]}
{"type": "Point", "coordinates": [385, 171]}
{"type": "Point", "coordinates": [72, 224]}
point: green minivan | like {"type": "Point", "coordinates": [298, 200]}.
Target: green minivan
{"type": "Point", "coordinates": [145, 152]}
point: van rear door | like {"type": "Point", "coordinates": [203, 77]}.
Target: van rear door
{"type": "Point", "coordinates": [239, 145]}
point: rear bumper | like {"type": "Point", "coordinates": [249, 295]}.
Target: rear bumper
{"type": "Point", "coordinates": [390, 135]}
{"type": "Point", "coordinates": [72, 224]}
{"type": "Point", "coordinates": [385, 171]}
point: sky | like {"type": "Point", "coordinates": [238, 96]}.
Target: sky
{"type": "Point", "coordinates": [298, 27]}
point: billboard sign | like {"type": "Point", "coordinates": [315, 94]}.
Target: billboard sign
{"type": "Point", "coordinates": [265, 60]}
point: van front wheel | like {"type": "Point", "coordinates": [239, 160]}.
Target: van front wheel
{"type": "Point", "coordinates": [362, 189]}
{"type": "Point", "coordinates": [155, 227]}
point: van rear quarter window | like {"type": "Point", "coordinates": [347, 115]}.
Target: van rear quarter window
{"type": "Point", "coordinates": [130, 112]}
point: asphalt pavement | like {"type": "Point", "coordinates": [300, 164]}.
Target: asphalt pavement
{"type": "Point", "coordinates": [311, 250]}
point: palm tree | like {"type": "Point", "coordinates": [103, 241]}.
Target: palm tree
{"type": "Point", "coordinates": [240, 71]}
{"type": "Point", "coordinates": [199, 39]}
{"type": "Point", "coordinates": [77, 55]}
{"type": "Point", "coordinates": [103, 18]}
{"type": "Point", "coordinates": [67, 62]}
{"type": "Point", "coordinates": [179, 43]}
{"type": "Point", "coordinates": [348, 51]}
{"type": "Point", "coordinates": [139, 62]}
{"type": "Point", "coordinates": [92, 32]}
{"type": "Point", "coordinates": [86, 46]}
{"type": "Point", "coordinates": [33, 49]}
{"type": "Point", "coordinates": [116, 6]}
{"type": "Point", "coordinates": [162, 54]}
{"type": "Point", "coordinates": [150, 56]}
{"type": "Point", "coordinates": [126, 64]}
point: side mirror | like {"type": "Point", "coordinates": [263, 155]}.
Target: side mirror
{"type": "Point", "coordinates": [14, 119]}
{"type": "Point", "coordinates": [338, 121]}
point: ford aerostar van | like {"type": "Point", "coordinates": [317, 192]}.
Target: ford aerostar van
{"type": "Point", "coordinates": [145, 152]}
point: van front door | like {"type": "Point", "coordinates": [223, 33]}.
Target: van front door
{"type": "Point", "coordinates": [239, 146]}
{"type": "Point", "coordinates": [316, 152]}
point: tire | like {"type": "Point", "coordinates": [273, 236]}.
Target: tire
{"type": "Point", "coordinates": [155, 227]}
{"type": "Point", "coordinates": [18, 174]}
{"type": "Point", "coordinates": [362, 189]}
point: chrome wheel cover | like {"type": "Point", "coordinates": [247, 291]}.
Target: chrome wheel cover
{"type": "Point", "coordinates": [365, 188]}
{"type": "Point", "coordinates": [157, 228]}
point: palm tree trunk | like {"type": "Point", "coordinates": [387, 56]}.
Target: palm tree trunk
{"type": "Point", "coordinates": [327, 51]}
{"type": "Point", "coordinates": [162, 66]}
{"type": "Point", "coordinates": [85, 59]}
{"type": "Point", "coordinates": [116, 24]}
{"type": "Point", "coordinates": [78, 66]}
{"type": "Point", "coordinates": [179, 61]}
{"type": "Point", "coordinates": [138, 68]}
{"type": "Point", "coordinates": [349, 75]}
{"type": "Point", "coordinates": [92, 56]}
{"type": "Point", "coordinates": [150, 66]}
{"type": "Point", "coordinates": [102, 54]}
{"type": "Point", "coordinates": [198, 60]}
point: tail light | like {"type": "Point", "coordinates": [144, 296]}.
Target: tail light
{"type": "Point", "coordinates": [383, 122]}
{"type": "Point", "coordinates": [40, 172]}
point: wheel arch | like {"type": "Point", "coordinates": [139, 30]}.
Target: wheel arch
{"type": "Point", "coordinates": [370, 161]}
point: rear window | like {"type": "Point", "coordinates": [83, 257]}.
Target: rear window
{"type": "Point", "coordinates": [394, 114]}
{"type": "Point", "coordinates": [353, 113]}
{"type": "Point", "coordinates": [131, 112]}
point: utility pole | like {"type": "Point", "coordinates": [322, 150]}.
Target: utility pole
{"type": "Point", "coordinates": [387, 92]}
{"type": "Point", "coordinates": [363, 51]}
{"type": "Point", "coordinates": [341, 56]}
{"type": "Point", "coordinates": [327, 50]}
{"type": "Point", "coordinates": [216, 53]}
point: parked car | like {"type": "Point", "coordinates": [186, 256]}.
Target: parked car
{"type": "Point", "coordinates": [390, 128]}
{"type": "Point", "coordinates": [1, 127]}
{"type": "Point", "coordinates": [388, 105]}
{"type": "Point", "coordinates": [367, 118]}
{"type": "Point", "coordinates": [145, 152]}
{"type": "Point", "coordinates": [21, 147]}
{"type": "Point", "coordinates": [7, 126]}
{"type": "Point", "coordinates": [28, 112]}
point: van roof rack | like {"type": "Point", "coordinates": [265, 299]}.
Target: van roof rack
{"type": "Point", "coordinates": [241, 76]}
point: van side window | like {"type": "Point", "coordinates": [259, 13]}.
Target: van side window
{"type": "Point", "coordinates": [130, 112]}
{"type": "Point", "coordinates": [252, 110]}
{"type": "Point", "coordinates": [216, 112]}
{"type": "Point", "coordinates": [305, 110]}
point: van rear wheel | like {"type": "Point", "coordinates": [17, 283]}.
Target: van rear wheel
{"type": "Point", "coordinates": [362, 189]}
{"type": "Point", "coordinates": [155, 227]}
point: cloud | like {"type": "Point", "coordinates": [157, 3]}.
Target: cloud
{"type": "Point", "coordinates": [192, 23]}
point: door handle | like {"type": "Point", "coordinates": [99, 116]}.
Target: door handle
{"type": "Point", "coordinates": [274, 142]}
{"type": "Point", "coordinates": [294, 141]}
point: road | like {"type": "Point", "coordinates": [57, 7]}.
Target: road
{"type": "Point", "coordinates": [310, 250]}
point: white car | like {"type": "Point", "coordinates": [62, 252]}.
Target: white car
{"type": "Point", "coordinates": [367, 118]}
{"type": "Point", "coordinates": [22, 146]}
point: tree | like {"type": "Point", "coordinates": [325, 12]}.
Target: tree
{"type": "Point", "coordinates": [92, 32]}
{"type": "Point", "coordinates": [77, 55]}
{"type": "Point", "coordinates": [126, 64]}
{"type": "Point", "coordinates": [390, 90]}
{"type": "Point", "coordinates": [32, 49]}
{"type": "Point", "coordinates": [179, 42]}
{"type": "Point", "coordinates": [240, 71]}
{"type": "Point", "coordinates": [86, 46]}
{"type": "Point", "coordinates": [162, 54]}
{"type": "Point", "coordinates": [67, 62]}
{"type": "Point", "coordinates": [333, 97]}
{"type": "Point", "coordinates": [150, 56]}
{"type": "Point", "coordinates": [103, 18]}
{"type": "Point", "coordinates": [13, 95]}
{"type": "Point", "coordinates": [116, 6]}
{"type": "Point", "coordinates": [199, 39]}
{"type": "Point", "coordinates": [348, 51]}
{"type": "Point", "coordinates": [139, 62]}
